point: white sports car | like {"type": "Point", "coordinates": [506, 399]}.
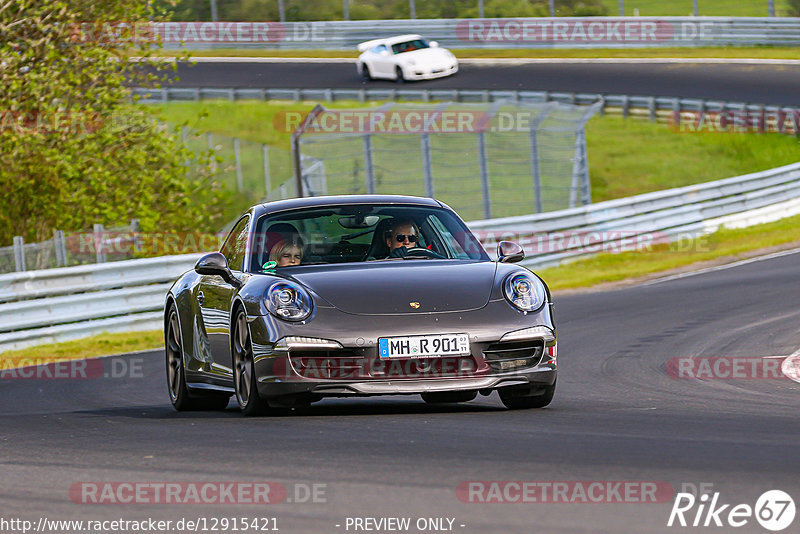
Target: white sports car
{"type": "Point", "coordinates": [405, 57]}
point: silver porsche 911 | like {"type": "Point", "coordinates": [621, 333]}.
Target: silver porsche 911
{"type": "Point", "coordinates": [357, 296]}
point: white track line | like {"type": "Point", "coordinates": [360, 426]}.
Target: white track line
{"type": "Point", "coordinates": [721, 267]}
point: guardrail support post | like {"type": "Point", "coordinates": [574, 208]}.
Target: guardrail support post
{"type": "Point", "coordinates": [483, 160]}
{"type": "Point", "coordinates": [427, 165]}
{"type": "Point", "coordinates": [19, 253]}
{"type": "Point", "coordinates": [369, 170]}
{"type": "Point", "coordinates": [99, 249]}
{"type": "Point", "coordinates": [238, 156]}
{"type": "Point", "coordinates": [58, 237]}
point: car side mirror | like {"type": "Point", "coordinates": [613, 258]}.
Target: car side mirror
{"type": "Point", "coordinates": [384, 53]}
{"type": "Point", "coordinates": [509, 252]}
{"type": "Point", "coordinates": [216, 264]}
{"type": "Point", "coordinates": [433, 44]}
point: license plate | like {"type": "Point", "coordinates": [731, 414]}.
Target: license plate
{"type": "Point", "coordinates": [423, 346]}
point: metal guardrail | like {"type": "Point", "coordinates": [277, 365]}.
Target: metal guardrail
{"type": "Point", "coordinates": [60, 304]}
{"type": "Point", "coordinates": [657, 217]}
{"type": "Point", "coordinates": [558, 32]}
{"type": "Point", "coordinates": [654, 108]}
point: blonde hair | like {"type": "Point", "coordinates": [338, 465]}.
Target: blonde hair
{"type": "Point", "coordinates": [282, 246]}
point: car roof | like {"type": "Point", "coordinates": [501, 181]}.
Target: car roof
{"type": "Point", "coordinates": [389, 40]}
{"type": "Point", "coordinates": [343, 200]}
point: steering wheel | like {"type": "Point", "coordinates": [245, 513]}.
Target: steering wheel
{"type": "Point", "coordinates": [424, 252]}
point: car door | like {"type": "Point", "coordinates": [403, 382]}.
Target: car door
{"type": "Point", "coordinates": [214, 297]}
{"type": "Point", "coordinates": [382, 62]}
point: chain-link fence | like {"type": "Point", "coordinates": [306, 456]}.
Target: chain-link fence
{"type": "Point", "coordinates": [484, 160]}
{"type": "Point", "coordinates": [67, 249]}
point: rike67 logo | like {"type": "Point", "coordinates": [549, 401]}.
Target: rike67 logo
{"type": "Point", "coordinates": [774, 510]}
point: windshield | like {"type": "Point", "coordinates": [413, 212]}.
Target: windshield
{"type": "Point", "coordinates": [360, 233]}
{"type": "Point", "coordinates": [410, 46]}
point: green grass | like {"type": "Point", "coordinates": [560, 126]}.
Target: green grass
{"type": "Point", "coordinates": [759, 52]}
{"type": "Point", "coordinates": [727, 244]}
{"type": "Point", "coordinates": [626, 156]}
{"type": "Point", "coordinates": [87, 347]}
{"type": "Point", "coordinates": [681, 8]}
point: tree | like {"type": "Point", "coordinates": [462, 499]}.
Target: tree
{"type": "Point", "coordinates": [74, 149]}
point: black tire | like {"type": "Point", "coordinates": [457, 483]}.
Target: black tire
{"type": "Point", "coordinates": [449, 396]}
{"type": "Point", "coordinates": [400, 77]}
{"type": "Point", "coordinates": [515, 399]}
{"type": "Point", "coordinates": [182, 400]}
{"type": "Point", "coordinates": [244, 372]}
{"type": "Point", "coordinates": [365, 75]}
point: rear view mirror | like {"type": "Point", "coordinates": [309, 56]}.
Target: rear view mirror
{"type": "Point", "coordinates": [433, 44]}
{"type": "Point", "coordinates": [359, 221]}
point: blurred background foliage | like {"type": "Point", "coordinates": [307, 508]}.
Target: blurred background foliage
{"type": "Point", "coordinates": [74, 149]}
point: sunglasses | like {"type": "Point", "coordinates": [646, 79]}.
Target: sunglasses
{"type": "Point", "coordinates": [402, 237]}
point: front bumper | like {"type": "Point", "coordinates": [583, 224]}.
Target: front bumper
{"type": "Point", "coordinates": [295, 367]}
{"type": "Point", "coordinates": [412, 73]}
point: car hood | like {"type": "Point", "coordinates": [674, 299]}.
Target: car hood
{"type": "Point", "coordinates": [428, 57]}
{"type": "Point", "coordinates": [394, 286]}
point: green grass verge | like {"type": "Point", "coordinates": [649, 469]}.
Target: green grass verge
{"type": "Point", "coordinates": [724, 52]}
{"type": "Point", "coordinates": [705, 8]}
{"type": "Point", "coordinates": [88, 347]}
{"type": "Point", "coordinates": [727, 244]}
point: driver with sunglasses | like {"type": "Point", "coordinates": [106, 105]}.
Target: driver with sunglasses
{"type": "Point", "coordinates": [402, 236]}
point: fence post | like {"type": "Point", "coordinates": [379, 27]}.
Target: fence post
{"type": "Point", "coordinates": [621, 8]}
{"type": "Point", "coordinates": [771, 7]}
{"type": "Point", "coordinates": [267, 180]}
{"type": "Point", "coordinates": [484, 165]}
{"type": "Point", "coordinates": [19, 253]}
{"type": "Point", "coordinates": [238, 156]}
{"type": "Point", "coordinates": [136, 229]}
{"type": "Point", "coordinates": [552, 8]}
{"type": "Point", "coordinates": [99, 249]}
{"type": "Point", "coordinates": [58, 236]}
{"type": "Point", "coordinates": [427, 164]}
{"type": "Point", "coordinates": [369, 170]}
{"type": "Point", "coordinates": [580, 172]}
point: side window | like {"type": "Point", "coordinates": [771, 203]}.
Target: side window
{"type": "Point", "coordinates": [236, 244]}
{"type": "Point", "coordinates": [378, 49]}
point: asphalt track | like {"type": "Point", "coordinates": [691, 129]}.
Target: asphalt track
{"type": "Point", "coordinates": [762, 84]}
{"type": "Point", "coordinates": [617, 416]}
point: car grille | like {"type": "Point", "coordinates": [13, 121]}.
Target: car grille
{"type": "Point", "coordinates": [352, 365]}
{"type": "Point", "coordinates": [508, 356]}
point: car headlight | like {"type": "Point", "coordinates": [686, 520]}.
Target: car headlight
{"type": "Point", "coordinates": [524, 291]}
{"type": "Point", "coordinates": [288, 301]}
